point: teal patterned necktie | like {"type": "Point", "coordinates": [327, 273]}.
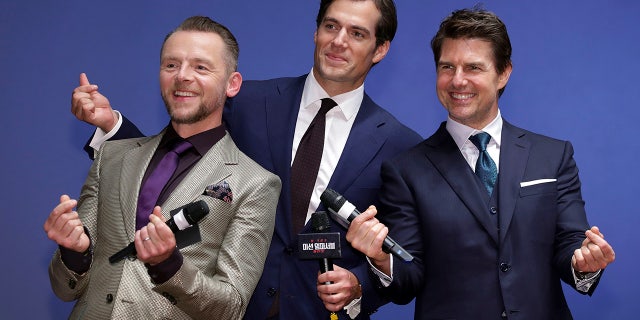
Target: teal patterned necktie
{"type": "Point", "coordinates": [485, 167]}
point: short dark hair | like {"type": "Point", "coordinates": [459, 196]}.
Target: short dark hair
{"type": "Point", "coordinates": [476, 23]}
{"type": "Point", "coordinates": [206, 24]}
{"type": "Point", "coordinates": [386, 26]}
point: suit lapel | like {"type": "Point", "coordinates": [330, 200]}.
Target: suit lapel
{"type": "Point", "coordinates": [205, 172]}
{"type": "Point", "coordinates": [514, 152]}
{"type": "Point", "coordinates": [365, 140]}
{"type": "Point", "coordinates": [134, 166]}
{"type": "Point", "coordinates": [443, 152]}
{"type": "Point", "coordinates": [281, 114]}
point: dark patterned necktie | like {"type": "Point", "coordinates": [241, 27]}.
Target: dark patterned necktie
{"type": "Point", "coordinates": [150, 191]}
{"type": "Point", "coordinates": [304, 169]}
{"type": "Point", "coordinates": [485, 167]}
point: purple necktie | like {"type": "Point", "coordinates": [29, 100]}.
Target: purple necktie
{"type": "Point", "coordinates": [150, 190]}
{"type": "Point", "coordinates": [304, 169]}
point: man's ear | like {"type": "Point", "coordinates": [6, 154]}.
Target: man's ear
{"type": "Point", "coordinates": [381, 51]}
{"type": "Point", "coordinates": [503, 78]}
{"type": "Point", "coordinates": [233, 84]}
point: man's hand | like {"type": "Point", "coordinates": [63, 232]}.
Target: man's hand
{"type": "Point", "coordinates": [88, 105]}
{"type": "Point", "coordinates": [595, 253]}
{"type": "Point", "coordinates": [65, 228]}
{"type": "Point", "coordinates": [341, 292]}
{"type": "Point", "coordinates": [366, 234]}
{"type": "Point", "coordinates": [155, 242]}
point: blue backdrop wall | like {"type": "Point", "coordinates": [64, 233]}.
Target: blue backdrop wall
{"type": "Point", "coordinates": [575, 75]}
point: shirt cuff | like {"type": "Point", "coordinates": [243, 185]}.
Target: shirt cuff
{"type": "Point", "coordinates": [78, 262]}
{"type": "Point", "coordinates": [585, 281]}
{"type": "Point", "coordinates": [385, 280]}
{"type": "Point", "coordinates": [166, 269]}
{"type": "Point", "coordinates": [353, 308]}
{"type": "Point", "coordinates": [99, 137]}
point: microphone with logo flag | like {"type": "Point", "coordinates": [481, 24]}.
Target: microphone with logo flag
{"type": "Point", "coordinates": [182, 218]}
{"type": "Point", "coordinates": [320, 244]}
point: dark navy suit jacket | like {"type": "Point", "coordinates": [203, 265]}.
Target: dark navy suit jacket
{"type": "Point", "coordinates": [476, 258]}
{"type": "Point", "coordinates": [261, 120]}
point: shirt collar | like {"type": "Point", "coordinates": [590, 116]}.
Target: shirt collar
{"type": "Point", "coordinates": [461, 133]}
{"type": "Point", "coordinates": [202, 141]}
{"type": "Point", "coordinates": [348, 102]}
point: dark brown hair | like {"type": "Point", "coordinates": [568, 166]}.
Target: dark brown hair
{"type": "Point", "coordinates": [386, 26]}
{"type": "Point", "coordinates": [479, 24]}
{"type": "Point", "coordinates": [205, 24]}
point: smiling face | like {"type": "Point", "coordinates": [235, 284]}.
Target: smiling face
{"type": "Point", "coordinates": [195, 81]}
{"type": "Point", "coordinates": [346, 45]}
{"type": "Point", "coordinates": [467, 81]}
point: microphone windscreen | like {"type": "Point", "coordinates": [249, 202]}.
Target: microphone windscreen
{"type": "Point", "coordinates": [194, 212]}
{"type": "Point", "coordinates": [320, 221]}
{"type": "Point", "coordinates": [332, 200]}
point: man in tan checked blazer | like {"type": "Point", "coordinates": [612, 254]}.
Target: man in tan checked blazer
{"type": "Point", "coordinates": [213, 274]}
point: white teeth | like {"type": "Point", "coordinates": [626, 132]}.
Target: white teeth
{"type": "Point", "coordinates": [462, 96]}
{"type": "Point", "coordinates": [184, 94]}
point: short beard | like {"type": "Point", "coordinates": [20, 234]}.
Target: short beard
{"type": "Point", "coordinates": [201, 113]}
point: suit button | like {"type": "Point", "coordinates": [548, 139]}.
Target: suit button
{"type": "Point", "coordinates": [72, 284]}
{"type": "Point", "coordinates": [288, 250]}
{"type": "Point", "coordinates": [109, 298]}
{"type": "Point", "coordinates": [493, 210]}
{"type": "Point", "coordinates": [504, 267]}
{"type": "Point", "coordinates": [271, 292]}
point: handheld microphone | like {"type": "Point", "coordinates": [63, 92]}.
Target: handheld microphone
{"type": "Point", "coordinates": [320, 223]}
{"type": "Point", "coordinates": [185, 217]}
{"type": "Point", "coordinates": [345, 212]}
{"type": "Point", "coordinates": [320, 244]}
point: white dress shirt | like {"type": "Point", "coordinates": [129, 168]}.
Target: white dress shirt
{"type": "Point", "coordinates": [339, 121]}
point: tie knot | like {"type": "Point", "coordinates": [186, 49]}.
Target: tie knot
{"type": "Point", "coordinates": [480, 140]}
{"type": "Point", "coordinates": [181, 146]}
{"type": "Point", "coordinates": [327, 104]}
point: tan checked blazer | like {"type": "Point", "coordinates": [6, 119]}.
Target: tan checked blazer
{"type": "Point", "coordinates": [219, 273]}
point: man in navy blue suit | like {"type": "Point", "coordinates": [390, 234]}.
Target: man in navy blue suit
{"type": "Point", "coordinates": [493, 227]}
{"type": "Point", "coordinates": [267, 120]}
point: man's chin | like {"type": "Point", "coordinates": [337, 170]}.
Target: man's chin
{"type": "Point", "coordinates": [185, 119]}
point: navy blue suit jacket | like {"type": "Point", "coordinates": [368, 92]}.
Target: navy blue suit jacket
{"type": "Point", "coordinates": [475, 260]}
{"type": "Point", "coordinates": [261, 120]}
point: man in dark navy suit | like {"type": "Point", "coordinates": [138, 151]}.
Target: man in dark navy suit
{"type": "Point", "coordinates": [492, 213]}
{"type": "Point", "coordinates": [267, 120]}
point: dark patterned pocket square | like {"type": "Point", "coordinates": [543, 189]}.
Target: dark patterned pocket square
{"type": "Point", "coordinates": [220, 191]}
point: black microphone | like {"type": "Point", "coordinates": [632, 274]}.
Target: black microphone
{"type": "Point", "coordinates": [343, 210]}
{"type": "Point", "coordinates": [185, 217]}
{"type": "Point", "coordinates": [320, 244]}
{"type": "Point", "coordinates": [319, 224]}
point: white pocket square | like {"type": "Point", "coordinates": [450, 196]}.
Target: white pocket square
{"type": "Point", "coordinates": [534, 182]}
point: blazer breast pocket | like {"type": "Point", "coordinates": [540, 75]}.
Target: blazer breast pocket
{"type": "Point", "coordinates": [550, 186]}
